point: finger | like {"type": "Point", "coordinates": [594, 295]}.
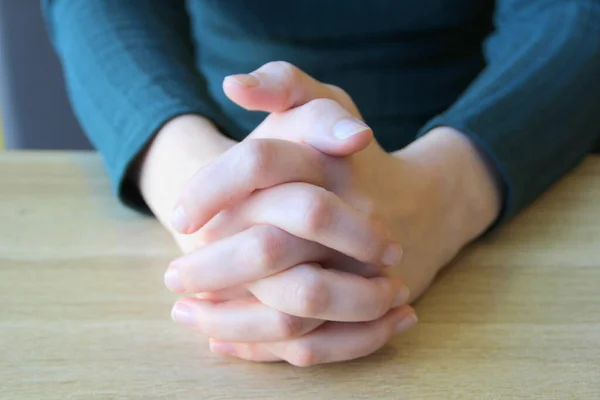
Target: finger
{"type": "Point", "coordinates": [336, 261]}
{"type": "Point", "coordinates": [230, 222]}
{"type": "Point", "coordinates": [256, 352]}
{"type": "Point", "coordinates": [279, 86]}
{"type": "Point", "coordinates": [332, 342]}
{"type": "Point", "coordinates": [245, 320]}
{"type": "Point", "coordinates": [256, 164]}
{"type": "Point", "coordinates": [315, 214]}
{"type": "Point", "coordinates": [310, 291]}
{"type": "Point", "coordinates": [231, 293]}
{"type": "Point", "coordinates": [345, 136]}
{"type": "Point", "coordinates": [246, 167]}
{"type": "Point", "coordinates": [255, 253]}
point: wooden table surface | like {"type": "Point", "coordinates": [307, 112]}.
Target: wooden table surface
{"type": "Point", "coordinates": [84, 313]}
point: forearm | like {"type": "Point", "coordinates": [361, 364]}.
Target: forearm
{"type": "Point", "coordinates": [178, 150]}
{"type": "Point", "coordinates": [467, 187]}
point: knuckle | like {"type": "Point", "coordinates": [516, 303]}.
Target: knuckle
{"type": "Point", "coordinates": [256, 157]}
{"type": "Point", "coordinates": [318, 211]}
{"type": "Point", "coordinates": [312, 296]}
{"type": "Point", "coordinates": [268, 246]}
{"type": "Point", "coordinates": [288, 326]}
{"type": "Point", "coordinates": [302, 355]}
{"type": "Point", "coordinates": [290, 77]}
{"type": "Point", "coordinates": [287, 69]}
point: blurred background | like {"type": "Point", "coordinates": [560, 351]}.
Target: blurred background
{"type": "Point", "coordinates": [34, 111]}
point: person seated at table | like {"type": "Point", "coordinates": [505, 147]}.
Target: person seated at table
{"type": "Point", "coordinates": [317, 197]}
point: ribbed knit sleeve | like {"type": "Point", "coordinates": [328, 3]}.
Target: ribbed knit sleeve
{"type": "Point", "coordinates": [534, 111]}
{"type": "Point", "coordinates": [129, 68]}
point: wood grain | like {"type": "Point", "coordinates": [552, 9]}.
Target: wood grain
{"type": "Point", "coordinates": [84, 313]}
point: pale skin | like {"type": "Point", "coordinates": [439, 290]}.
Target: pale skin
{"type": "Point", "coordinates": [306, 242]}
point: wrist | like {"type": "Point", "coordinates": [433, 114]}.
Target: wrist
{"type": "Point", "coordinates": [181, 147]}
{"type": "Point", "coordinates": [468, 186]}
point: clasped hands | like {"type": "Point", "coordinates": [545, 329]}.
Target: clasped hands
{"type": "Point", "coordinates": [299, 229]}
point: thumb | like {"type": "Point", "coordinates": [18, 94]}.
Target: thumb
{"type": "Point", "coordinates": [278, 86]}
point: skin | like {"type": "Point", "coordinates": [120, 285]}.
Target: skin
{"type": "Point", "coordinates": [293, 235]}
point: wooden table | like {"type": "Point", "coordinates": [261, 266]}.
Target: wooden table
{"type": "Point", "coordinates": [84, 313]}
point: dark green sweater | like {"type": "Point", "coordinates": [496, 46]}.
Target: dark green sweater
{"type": "Point", "coordinates": [521, 78]}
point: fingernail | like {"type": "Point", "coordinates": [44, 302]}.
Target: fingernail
{"type": "Point", "coordinates": [182, 313]}
{"type": "Point", "coordinates": [224, 348]}
{"type": "Point", "coordinates": [402, 296]}
{"type": "Point", "coordinates": [173, 281]}
{"type": "Point", "coordinates": [392, 255]}
{"type": "Point", "coordinates": [179, 220]}
{"type": "Point", "coordinates": [347, 127]}
{"type": "Point", "coordinates": [244, 80]}
{"type": "Point", "coordinates": [406, 323]}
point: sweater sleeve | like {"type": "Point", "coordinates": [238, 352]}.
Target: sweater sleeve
{"type": "Point", "coordinates": [129, 68]}
{"type": "Point", "coordinates": [534, 111]}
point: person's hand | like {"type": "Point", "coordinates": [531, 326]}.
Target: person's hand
{"type": "Point", "coordinates": [429, 234]}
{"type": "Point", "coordinates": [189, 142]}
{"type": "Point", "coordinates": [318, 119]}
{"type": "Point", "coordinates": [372, 297]}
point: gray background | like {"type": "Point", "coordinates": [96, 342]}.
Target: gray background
{"type": "Point", "coordinates": [35, 110]}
